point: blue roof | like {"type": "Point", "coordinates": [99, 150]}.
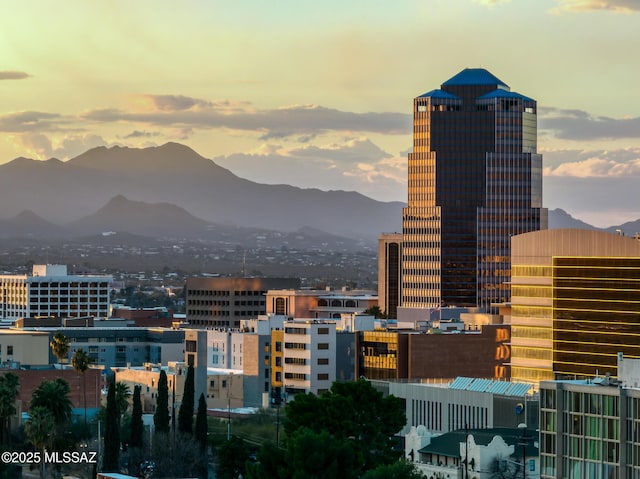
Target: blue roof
{"type": "Point", "coordinates": [474, 76]}
{"type": "Point", "coordinates": [504, 94]}
{"type": "Point", "coordinates": [503, 388]}
{"type": "Point", "coordinates": [439, 94]}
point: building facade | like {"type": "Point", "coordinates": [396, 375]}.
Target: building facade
{"type": "Point", "coordinates": [50, 291]}
{"type": "Point", "coordinates": [309, 356]}
{"type": "Point", "coordinates": [475, 179]}
{"type": "Point", "coordinates": [413, 355]}
{"type": "Point", "coordinates": [223, 302]}
{"type": "Point", "coordinates": [389, 273]}
{"type": "Point", "coordinates": [319, 304]}
{"type": "Point", "coordinates": [589, 428]}
{"type": "Point", "coordinates": [575, 303]}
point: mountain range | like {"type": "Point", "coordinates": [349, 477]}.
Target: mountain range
{"type": "Point", "coordinates": [171, 190]}
{"type": "Point", "coordinates": [64, 192]}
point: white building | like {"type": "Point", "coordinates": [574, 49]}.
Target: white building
{"type": "Point", "coordinates": [50, 291]}
{"type": "Point", "coordinates": [309, 356]}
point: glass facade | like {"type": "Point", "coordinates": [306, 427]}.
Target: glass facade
{"type": "Point", "coordinates": [596, 309]}
{"type": "Point", "coordinates": [531, 323]}
{"type": "Point", "coordinates": [379, 358]}
{"type": "Point", "coordinates": [589, 431]}
{"type": "Point", "coordinates": [475, 179]}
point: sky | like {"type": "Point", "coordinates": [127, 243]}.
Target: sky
{"type": "Point", "coordinates": [320, 94]}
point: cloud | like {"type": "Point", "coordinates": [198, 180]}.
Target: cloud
{"type": "Point", "coordinates": [40, 146]}
{"type": "Point", "coordinates": [623, 163]}
{"type": "Point", "coordinates": [13, 75]}
{"type": "Point", "coordinates": [30, 121]}
{"type": "Point", "coordinates": [295, 120]}
{"type": "Point", "coordinates": [354, 164]}
{"type": "Point", "coordinates": [621, 6]}
{"type": "Point", "coordinates": [141, 134]}
{"type": "Point", "coordinates": [580, 125]}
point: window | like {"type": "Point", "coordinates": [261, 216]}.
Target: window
{"type": "Point", "coordinates": [323, 361]}
{"type": "Point", "coordinates": [224, 383]}
{"type": "Point", "coordinates": [323, 377]}
{"type": "Point", "coordinates": [212, 383]}
{"type": "Point", "coordinates": [9, 350]}
{"type": "Point", "coordinates": [323, 330]}
{"type": "Point", "coordinates": [323, 345]}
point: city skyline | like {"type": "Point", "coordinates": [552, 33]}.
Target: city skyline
{"type": "Point", "coordinates": [320, 96]}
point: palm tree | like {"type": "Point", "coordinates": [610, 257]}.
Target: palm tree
{"type": "Point", "coordinates": [60, 347]}
{"type": "Point", "coordinates": [122, 397]}
{"type": "Point", "coordinates": [39, 429]}
{"type": "Point", "coordinates": [54, 395]}
{"type": "Point", "coordinates": [9, 383]}
{"type": "Point", "coordinates": [80, 362]}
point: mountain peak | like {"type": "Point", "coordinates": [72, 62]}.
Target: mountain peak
{"type": "Point", "coordinates": [168, 158]}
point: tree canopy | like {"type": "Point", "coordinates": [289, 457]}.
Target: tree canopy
{"type": "Point", "coordinates": [185, 414]}
{"type": "Point", "coordinates": [111, 458]}
{"type": "Point", "coordinates": [54, 395]}
{"type": "Point", "coordinates": [344, 433]}
{"type": "Point", "coordinates": [60, 346]}
{"type": "Point", "coordinates": [9, 385]}
{"type": "Point", "coordinates": [161, 416]}
{"type": "Point", "coordinates": [355, 411]}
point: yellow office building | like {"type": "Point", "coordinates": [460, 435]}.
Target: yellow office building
{"type": "Point", "coordinates": [575, 303]}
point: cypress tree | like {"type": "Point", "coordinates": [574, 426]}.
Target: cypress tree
{"type": "Point", "coordinates": [201, 430]}
{"type": "Point", "coordinates": [111, 460]}
{"type": "Point", "coordinates": [161, 416]}
{"type": "Point", "coordinates": [201, 423]}
{"type": "Point", "coordinates": [185, 415]}
{"type": "Point", "coordinates": [137, 427]}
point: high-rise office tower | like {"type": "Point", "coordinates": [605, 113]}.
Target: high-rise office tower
{"type": "Point", "coordinates": [475, 179]}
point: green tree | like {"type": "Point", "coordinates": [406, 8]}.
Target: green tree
{"type": "Point", "coordinates": [60, 347]}
{"type": "Point", "coordinates": [202, 427]}
{"type": "Point", "coordinates": [123, 393]}
{"type": "Point", "coordinates": [185, 414]}
{"type": "Point", "coordinates": [54, 395]}
{"type": "Point", "coordinates": [232, 456]}
{"type": "Point", "coordinates": [111, 458]}
{"type": "Point", "coordinates": [137, 433]}
{"type": "Point", "coordinates": [354, 411]}
{"type": "Point", "coordinates": [201, 433]}
{"type": "Point", "coordinates": [39, 430]}
{"type": "Point", "coordinates": [80, 362]}
{"type": "Point", "coordinates": [161, 416]}
{"type": "Point", "coordinates": [137, 426]}
{"type": "Point", "coordinates": [398, 470]}
{"type": "Point", "coordinates": [9, 384]}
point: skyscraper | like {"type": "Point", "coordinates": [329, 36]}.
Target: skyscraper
{"type": "Point", "coordinates": [475, 179]}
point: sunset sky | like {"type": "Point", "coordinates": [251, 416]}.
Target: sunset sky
{"type": "Point", "coordinates": [319, 94]}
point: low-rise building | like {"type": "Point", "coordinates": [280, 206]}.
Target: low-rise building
{"type": "Point", "coordinates": [50, 291]}
{"type": "Point", "coordinates": [319, 304]}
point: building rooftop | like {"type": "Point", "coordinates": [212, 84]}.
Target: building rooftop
{"type": "Point", "coordinates": [474, 76]}
{"type": "Point", "coordinates": [448, 444]}
{"type": "Point", "coordinates": [439, 94]}
{"type": "Point", "coordinates": [498, 93]}
{"type": "Point", "coordinates": [504, 388]}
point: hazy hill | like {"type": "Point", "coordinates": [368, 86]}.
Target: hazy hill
{"type": "Point", "coordinates": [27, 223]}
{"type": "Point", "coordinates": [139, 218]}
{"type": "Point", "coordinates": [558, 218]}
{"type": "Point", "coordinates": [67, 191]}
